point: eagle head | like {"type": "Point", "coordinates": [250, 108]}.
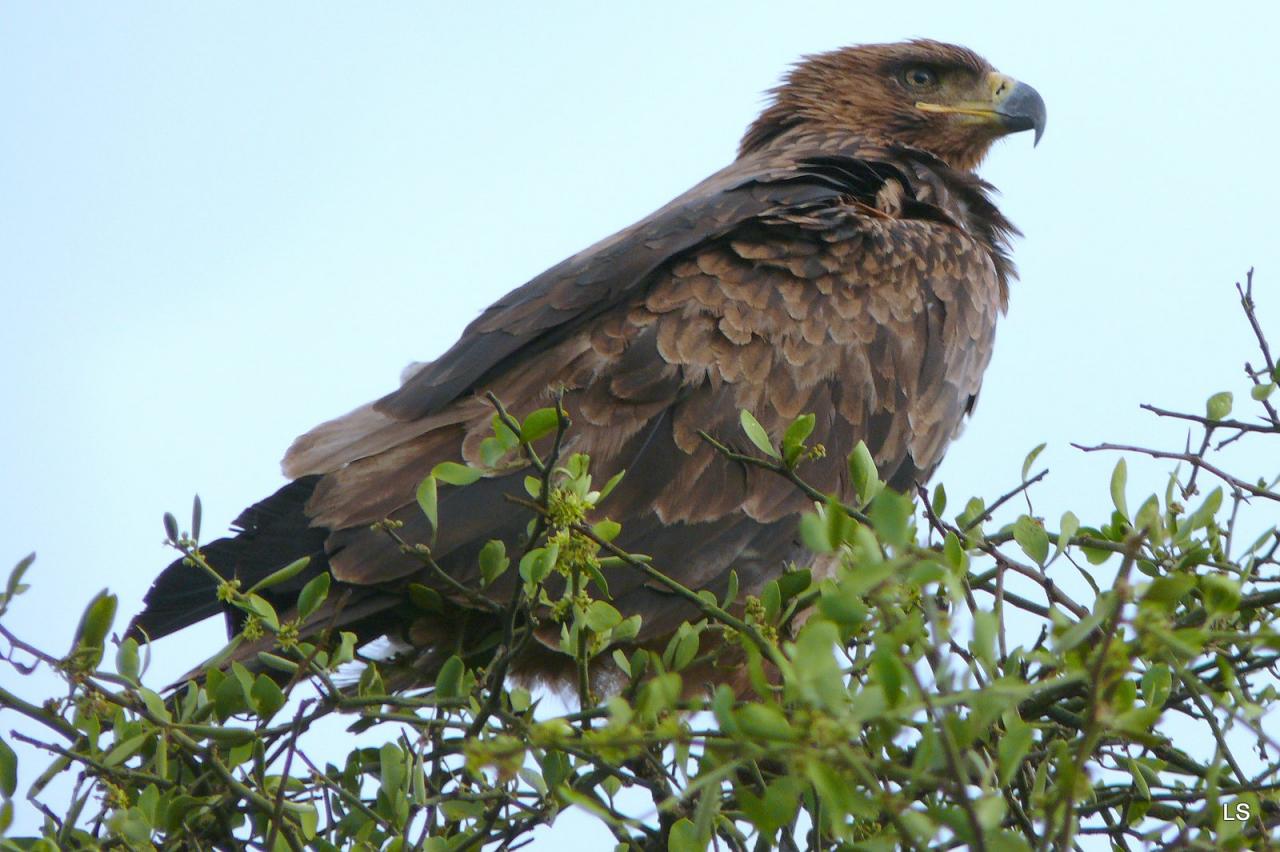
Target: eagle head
{"type": "Point", "coordinates": [939, 98]}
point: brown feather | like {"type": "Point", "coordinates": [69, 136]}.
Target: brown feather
{"type": "Point", "coordinates": [847, 264]}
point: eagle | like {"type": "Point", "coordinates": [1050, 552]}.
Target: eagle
{"type": "Point", "coordinates": [848, 264]}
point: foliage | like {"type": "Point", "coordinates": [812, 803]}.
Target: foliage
{"type": "Point", "coordinates": [943, 687]}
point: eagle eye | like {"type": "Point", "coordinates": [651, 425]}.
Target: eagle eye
{"type": "Point", "coordinates": [920, 77]}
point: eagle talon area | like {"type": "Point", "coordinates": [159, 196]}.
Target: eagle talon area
{"type": "Point", "coordinates": [847, 264]}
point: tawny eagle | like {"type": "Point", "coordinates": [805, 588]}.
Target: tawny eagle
{"type": "Point", "coordinates": [847, 263]}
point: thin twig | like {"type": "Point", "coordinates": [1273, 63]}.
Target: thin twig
{"type": "Point", "coordinates": [1189, 458]}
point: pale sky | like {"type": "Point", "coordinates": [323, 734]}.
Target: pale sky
{"type": "Point", "coordinates": [223, 223]}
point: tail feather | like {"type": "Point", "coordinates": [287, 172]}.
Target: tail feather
{"type": "Point", "coordinates": [269, 535]}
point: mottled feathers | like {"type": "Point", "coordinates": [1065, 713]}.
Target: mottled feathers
{"type": "Point", "coordinates": [835, 268]}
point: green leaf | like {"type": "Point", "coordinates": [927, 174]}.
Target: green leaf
{"type": "Point", "coordinates": [864, 546]}
{"type": "Point", "coordinates": [1167, 591]}
{"type": "Point", "coordinates": [491, 452]}
{"type": "Point", "coordinates": [990, 810]}
{"type": "Point", "coordinates": [799, 430]}
{"type": "Point", "coordinates": [244, 679]}
{"type": "Point", "coordinates": [521, 699]}
{"type": "Point", "coordinates": [493, 560]}
{"type": "Point", "coordinates": [607, 529]}
{"type": "Point", "coordinates": [1013, 747]}
{"type": "Point", "coordinates": [867, 577]}
{"type": "Point", "coordinates": [974, 508]}
{"type": "Point", "coordinates": [731, 590]}
{"type": "Point", "coordinates": [458, 810]}
{"type": "Point", "coordinates": [595, 575]}
{"type": "Point", "coordinates": [425, 598]}
{"type": "Point", "coordinates": [275, 578]}
{"type": "Point", "coordinates": [1005, 840]}
{"type": "Point", "coordinates": [1030, 460]}
{"type": "Point", "coordinates": [722, 708]}
{"type": "Point", "coordinates": [1067, 529]}
{"type": "Point", "coordinates": [1221, 594]}
{"type": "Point", "coordinates": [449, 680]}
{"type": "Point", "coordinates": [148, 801]}
{"type": "Point", "coordinates": [919, 825]}
{"type": "Point", "coordinates": [1078, 632]}
{"type": "Point", "coordinates": [793, 439]}
{"type": "Point", "coordinates": [154, 704]}
{"type": "Point", "coordinates": [925, 571]}
{"type": "Point", "coordinates": [503, 434]}
{"type": "Point", "coordinates": [1119, 476]}
{"type": "Point", "coordinates": [128, 662]}
{"type": "Point", "coordinates": [278, 663]}
{"type": "Point", "coordinates": [684, 838]}
{"type": "Point", "coordinates": [771, 597]}
{"type": "Point", "coordinates": [764, 721]}
{"type": "Point", "coordinates": [95, 623]}
{"type": "Point", "coordinates": [346, 650]}
{"type": "Point", "coordinates": [659, 694]}
{"type": "Point", "coordinates": [1149, 519]}
{"type": "Point", "coordinates": [313, 594]}
{"type": "Point", "coordinates": [863, 474]}
{"type": "Point", "coordinates": [15, 586]}
{"type": "Point", "coordinates": [539, 424]}
{"type": "Point", "coordinates": [792, 583]}
{"type": "Point", "coordinates": [56, 768]}
{"type": "Point", "coordinates": [261, 607]}
{"type": "Point", "coordinates": [600, 616]}
{"type": "Point", "coordinates": [391, 766]}
{"type": "Point", "coordinates": [939, 502]}
{"type": "Point", "coordinates": [890, 514]}
{"type": "Point", "coordinates": [1095, 555]}
{"type": "Point", "coordinates": [1157, 683]}
{"type": "Point", "coordinates": [756, 433]}
{"type": "Point", "coordinates": [537, 563]}
{"type": "Point", "coordinates": [456, 474]}
{"type": "Point", "coordinates": [953, 551]}
{"type": "Point", "coordinates": [171, 527]}
{"type": "Point", "coordinates": [1031, 537]}
{"type": "Point", "coordinates": [776, 808]}
{"type": "Point", "coordinates": [611, 484]}
{"type": "Point", "coordinates": [889, 673]}
{"type": "Point", "coordinates": [533, 486]}
{"type": "Point", "coordinates": [1139, 721]}
{"type": "Point", "coordinates": [8, 770]}
{"type": "Point", "coordinates": [426, 495]}
{"type": "Point", "coordinates": [1139, 780]}
{"type": "Point", "coordinates": [1261, 392]}
{"type": "Point", "coordinates": [682, 649]}
{"type": "Point", "coordinates": [813, 533]}
{"type": "Point", "coordinates": [126, 749]}
{"type": "Point", "coordinates": [986, 628]}
{"type": "Point", "coordinates": [1206, 511]}
{"type": "Point", "coordinates": [267, 697]}
{"type": "Point", "coordinates": [839, 524]}
{"type": "Point", "coordinates": [1218, 406]}
{"type": "Point", "coordinates": [843, 606]}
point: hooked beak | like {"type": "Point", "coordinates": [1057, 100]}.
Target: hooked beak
{"type": "Point", "coordinates": [1019, 106]}
{"type": "Point", "coordinates": [1013, 106]}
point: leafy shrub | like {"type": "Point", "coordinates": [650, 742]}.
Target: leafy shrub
{"type": "Point", "coordinates": [942, 688]}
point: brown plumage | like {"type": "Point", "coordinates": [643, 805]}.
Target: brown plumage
{"type": "Point", "coordinates": [847, 263]}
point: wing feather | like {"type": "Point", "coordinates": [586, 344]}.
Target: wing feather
{"type": "Point", "coordinates": [771, 290]}
{"type": "Point", "coordinates": [776, 285]}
